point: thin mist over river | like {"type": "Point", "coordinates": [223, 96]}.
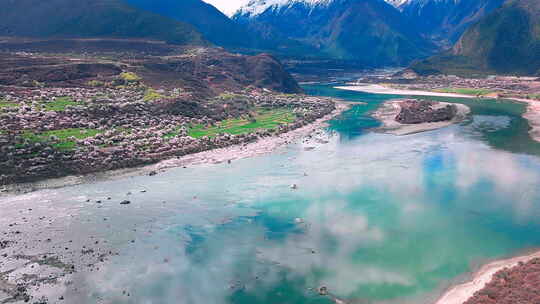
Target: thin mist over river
{"type": "Point", "coordinates": [376, 218]}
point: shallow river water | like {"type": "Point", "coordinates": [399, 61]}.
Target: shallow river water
{"type": "Point", "coordinates": [376, 218]}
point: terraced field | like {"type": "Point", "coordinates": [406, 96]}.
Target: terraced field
{"type": "Point", "coordinates": [65, 137]}
{"type": "Point", "coordinates": [263, 119]}
{"type": "Point", "coordinates": [5, 104]}
{"type": "Point", "coordinates": [60, 104]}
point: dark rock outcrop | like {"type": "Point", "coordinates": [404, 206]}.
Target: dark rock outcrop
{"type": "Point", "coordinates": [422, 111]}
{"type": "Point", "coordinates": [269, 73]}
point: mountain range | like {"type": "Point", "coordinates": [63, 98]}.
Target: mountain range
{"type": "Point", "coordinates": [89, 19]}
{"type": "Point", "coordinates": [208, 20]}
{"type": "Point", "coordinates": [370, 33]}
{"type": "Point", "coordinates": [444, 21]}
{"type": "Point", "coordinates": [507, 41]}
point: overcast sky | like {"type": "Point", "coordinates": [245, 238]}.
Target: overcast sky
{"type": "Point", "coordinates": [227, 6]}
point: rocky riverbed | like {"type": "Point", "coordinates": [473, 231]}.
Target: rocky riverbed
{"type": "Point", "coordinates": [36, 265]}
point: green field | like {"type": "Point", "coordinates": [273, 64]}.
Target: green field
{"type": "Point", "coordinates": [6, 104]}
{"type": "Point", "coordinates": [60, 104]}
{"type": "Point", "coordinates": [63, 136]}
{"type": "Point", "coordinates": [130, 77]}
{"type": "Point", "coordinates": [152, 95]}
{"type": "Point", "coordinates": [264, 119]}
{"type": "Point", "coordinates": [465, 91]}
{"type": "Point", "coordinates": [228, 96]}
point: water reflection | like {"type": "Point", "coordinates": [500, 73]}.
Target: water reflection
{"type": "Point", "coordinates": [384, 218]}
{"type": "Point", "coordinates": [375, 218]}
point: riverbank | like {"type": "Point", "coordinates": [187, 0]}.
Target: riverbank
{"type": "Point", "coordinates": [389, 110]}
{"type": "Point", "coordinates": [261, 146]}
{"type": "Point", "coordinates": [532, 115]}
{"type": "Point", "coordinates": [90, 257]}
{"type": "Point", "coordinates": [89, 135]}
{"type": "Point", "coordinates": [463, 292]}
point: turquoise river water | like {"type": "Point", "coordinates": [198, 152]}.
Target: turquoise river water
{"type": "Point", "coordinates": [376, 218]}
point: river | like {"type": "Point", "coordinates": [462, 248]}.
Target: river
{"type": "Point", "coordinates": [375, 218]}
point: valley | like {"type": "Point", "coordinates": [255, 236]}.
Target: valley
{"type": "Point", "coordinates": [269, 151]}
{"type": "Point", "coordinates": [160, 210]}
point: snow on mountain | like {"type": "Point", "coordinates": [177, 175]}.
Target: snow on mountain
{"type": "Point", "coordinates": [421, 3]}
{"type": "Point", "coordinates": [257, 7]}
{"type": "Point", "coordinates": [369, 32]}
{"type": "Point", "coordinates": [397, 3]}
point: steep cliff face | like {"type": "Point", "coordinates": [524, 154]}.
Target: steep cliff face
{"type": "Point", "coordinates": [506, 41]}
{"type": "Point", "coordinates": [268, 72]}
{"type": "Point", "coordinates": [371, 32]}
{"type": "Point", "coordinates": [90, 18]}
{"type": "Point", "coordinates": [213, 71]}
{"type": "Point", "coordinates": [445, 21]}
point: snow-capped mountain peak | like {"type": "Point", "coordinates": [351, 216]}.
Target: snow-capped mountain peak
{"type": "Point", "coordinates": [257, 7]}
{"type": "Point", "coordinates": [397, 3]}
{"type": "Point", "coordinates": [422, 3]}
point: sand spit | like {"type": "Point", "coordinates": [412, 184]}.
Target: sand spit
{"type": "Point", "coordinates": [379, 89]}
{"type": "Point", "coordinates": [390, 109]}
{"type": "Point", "coordinates": [461, 293]}
{"type": "Point", "coordinates": [533, 106]}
